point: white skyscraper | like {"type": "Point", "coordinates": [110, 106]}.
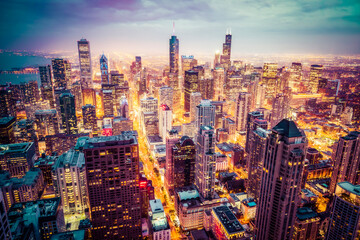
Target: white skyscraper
{"type": "Point", "coordinates": [205, 114]}
{"type": "Point", "coordinates": [242, 109]}
{"type": "Point", "coordinates": [165, 121]}
{"type": "Point", "coordinates": [195, 100]}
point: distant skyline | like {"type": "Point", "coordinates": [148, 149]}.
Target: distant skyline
{"type": "Point", "coordinates": [145, 26]}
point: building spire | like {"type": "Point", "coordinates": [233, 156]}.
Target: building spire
{"type": "Point", "coordinates": [173, 27]}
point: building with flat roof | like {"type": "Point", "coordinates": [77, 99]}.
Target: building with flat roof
{"type": "Point", "coordinates": [345, 213]}
{"type": "Point", "coordinates": [27, 188]}
{"type": "Point", "coordinates": [69, 180]}
{"type": "Point", "coordinates": [7, 130]}
{"type": "Point", "coordinates": [44, 216]}
{"type": "Point", "coordinates": [17, 158]}
{"type": "Point", "coordinates": [225, 224]}
{"type": "Point", "coordinates": [159, 223]}
{"type": "Point", "coordinates": [72, 235]}
{"type": "Point", "coordinates": [307, 224]}
{"type": "Point", "coordinates": [5, 232]}
{"type": "Point", "coordinates": [112, 173]}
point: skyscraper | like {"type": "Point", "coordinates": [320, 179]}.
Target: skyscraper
{"type": "Point", "coordinates": [205, 162]}
{"type": "Point", "coordinates": [280, 107]}
{"type": "Point", "coordinates": [45, 76]}
{"type": "Point", "coordinates": [5, 232]}
{"type": "Point", "coordinates": [346, 158]}
{"type": "Point", "coordinates": [269, 79]}
{"type": "Point", "coordinates": [295, 76]}
{"type": "Point", "coordinates": [195, 100]}
{"type": "Point", "coordinates": [345, 214]}
{"type": "Point", "coordinates": [59, 72]}
{"type": "Point", "coordinates": [69, 181]}
{"type": "Point", "coordinates": [174, 56]}
{"type": "Point", "coordinates": [68, 113]}
{"type": "Point", "coordinates": [251, 126]}
{"type": "Point", "coordinates": [225, 59]}
{"type": "Point", "coordinates": [112, 173]}
{"type": "Point", "coordinates": [191, 85]}
{"type": "Point", "coordinates": [315, 75]}
{"type": "Point", "coordinates": [182, 172]}
{"type": "Point", "coordinates": [242, 109]}
{"type": "Point", "coordinates": [280, 181]}
{"type": "Point", "coordinates": [104, 68]}
{"type": "Point", "coordinates": [256, 155]}
{"type": "Point", "coordinates": [205, 114]}
{"type": "Point", "coordinates": [165, 121]}
{"type": "Point", "coordinates": [166, 94]}
{"type": "Point", "coordinates": [172, 138]}
{"type": "Point", "coordinates": [47, 122]}
{"type": "Point", "coordinates": [7, 134]}
{"type": "Point", "coordinates": [85, 63]}
{"type": "Point", "coordinates": [89, 116]}
{"type": "Point", "coordinates": [187, 63]}
{"type": "Point", "coordinates": [108, 102]}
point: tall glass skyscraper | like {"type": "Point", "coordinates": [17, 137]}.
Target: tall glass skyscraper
{"type": "Point", "coordinates": [104, 68]}
{"type": "Point", "coordinates": [68, 113]}
{"type": "Point", "coordinates": [85, 63]}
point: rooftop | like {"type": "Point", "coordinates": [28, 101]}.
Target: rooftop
{"type": "Point", "coordinates": [156, 206]}
{"type": "Point", "coordinates": [6, 121]}
{"type": "Point", "coordinates": [70, 158]}
{"type": "Point", "coordinates": [351, 136]}
{"type": "Point", "coordinates": [15, 148]}
{"type": "Point", "coordinates": [45, 111]}
{"type": "Point", "coordinates": [228, 219]}
{"type": "Point", "coordinates": [287, 128]}
{"type": "Point", "coordinates": [188, 194]}
{"type": "Point", "coordinates": [78, 235]}
{"type": "Point", "coordinates": [355, 189]}
{"type": "Point", "coordinates": [305, 213]}
{"type": "Point", "coordinates": [125, 138]}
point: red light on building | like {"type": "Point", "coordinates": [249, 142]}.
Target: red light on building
{"type": "Point", "coordinates": [143, 184]}
{"type": "Point", "coordinates": [107, 132]}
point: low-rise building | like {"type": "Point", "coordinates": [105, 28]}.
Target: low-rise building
{"type": "Point", "coordinates": [160, 226]}
{"type": "Point", "coordinates": [225, 225]}
{"type": "Point", "coordinates": [306, 225]}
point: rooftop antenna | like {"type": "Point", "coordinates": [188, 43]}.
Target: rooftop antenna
{"type": "Point", "coordinates": [230, 31]}
{"type": "Point", "coordinates": [173, 27]}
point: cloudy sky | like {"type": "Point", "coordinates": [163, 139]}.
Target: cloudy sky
{"type": "Point", "coordinates": [144, 26]}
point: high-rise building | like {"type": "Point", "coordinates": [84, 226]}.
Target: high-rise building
{"type": "Point", "coordinates": [68, 113]}
{"type": "Point", "coordinates": [165, 121]}
{"type": "Point", "coordinates": [225, 58]}
{"type": "Point", "coordinates": [121, 124]}
{"type": "Point", "coordinates": [7, 102]}
{"type": "Point", "coordinates": [46, 122]}
{"type": "Point", "coordinates": [219, 83]}
{"type": "Point", "coordinates": [345, 213]}
{"type": "Point", "coordinates": [205, 162]}
{"type": "Point", "coordinates": [104, 69]}
{"type": "Point", "coordinates": [346, 158]}
{"type": "Point", "coordinates": [7, 134]}
{"type": "Point", "coordinates": [85, 63]}
{"type": "Point", "coordinates": [89, 96]}
{"type": "Point", "coordinates": [280, 107]}
{"type": "Point", "coordinates": [59, 73]}
{"type": "Point", "coordinates": [89, 116]}
{"type": "Point", "coordinates": [40, 219]}
{"type": "Point", "coordinates": [182, 162]}
{"type": "Point", "coordinates": [256, 155]}
{"type": "Point", "coordinates": [174, 55]}
{"type": "Point", "coordinates": [295, 76]}
{"type": "Point", "coordinates": [5, 232]}
{"type": "Point", "coordinates": [242, 109]}
{"type": "Point", "coordinates": [315, 75]}
{"type": "Point", "coordinates": [187, 63]}
{"type": "Point", "coordinates": [195, 100]}
{"type": "Point", "coordinates": [269, 79]}
{"type": "Point", "coordinates": [281, 181]}
{"type": "Point", "coordinates": [166, 95]}
{"type": "Point", "coordinates": [172, 138]}
{"type": "Point", "coordinates": [77, 92]}
{"type": "Point", "coordinates": [61, 142]}
{"type": "Point", "coordinates": [205, 114]}
{"type": "Point", "coordinates": [307, 224]}
{"type": "Point", "coordinates": [70, 181]}
{"type": "Point", "coordinates": [117, 78]}
{"type": "Point", "coordinates": [149, 104]}
{"type": "Point", "coordinates": [17, 158]}
{"type": "Point", "coordinates": [45, 76]}
{"type": "Point", "coordinates": [251, 126]}
{"type": "Point", "coordinates": [191, 85]}
{"type": "Point", "coordinates": [113, 190]}
{"type": "Point", "coordinates": [123, 111]}
{"type": "Point", "coordinates": [108, 102]}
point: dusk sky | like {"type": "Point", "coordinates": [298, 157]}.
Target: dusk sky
{"type": "Point", "coordinates": [144, 26]}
